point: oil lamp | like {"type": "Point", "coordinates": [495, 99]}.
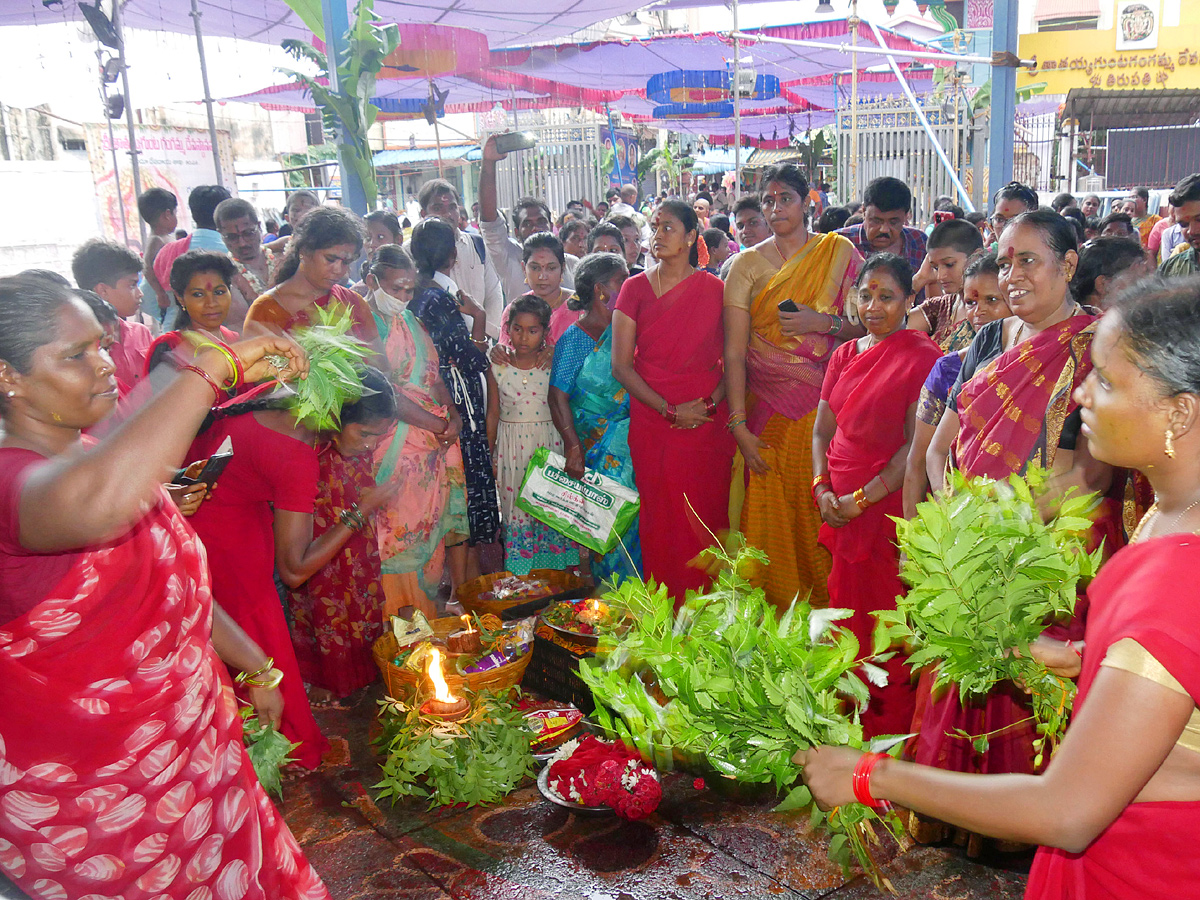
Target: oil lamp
{"type": "Point", "coordinates": [443, 704]}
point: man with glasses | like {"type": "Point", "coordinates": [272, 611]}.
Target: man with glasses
{"type": "Point", "coordinates": [239, 226]}
{"type": "Point", "coordinates": [887, 204]}
{"type": "Point", "coordinates": [1010, 201]}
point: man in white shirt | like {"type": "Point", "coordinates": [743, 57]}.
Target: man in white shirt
{"type": "Point", "coordinates": [473, 272]}
{"type": "Point", "coordinates": [626, 208]}
{"type": "Point", "coordinates": [530, 216]}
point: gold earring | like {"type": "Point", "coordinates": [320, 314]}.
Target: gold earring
{"type": "Point", "coordinates": [1169, 449]}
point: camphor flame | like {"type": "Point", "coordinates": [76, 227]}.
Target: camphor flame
{"type": "Point", "coordinates": [467, 622]}
{"type": "Point", "coordinates": [441, 691]}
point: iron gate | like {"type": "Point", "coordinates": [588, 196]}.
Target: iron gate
{"type": "Point", "coordinates": [892, 142]}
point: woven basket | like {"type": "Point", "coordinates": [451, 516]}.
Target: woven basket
{"type": "Point", "coordinates": [469, 594]}
{"type": "Point", "coordinates": [402, 683]}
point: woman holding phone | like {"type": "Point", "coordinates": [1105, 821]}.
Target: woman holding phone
{"type": "Point", "coordinates": [785, 312]}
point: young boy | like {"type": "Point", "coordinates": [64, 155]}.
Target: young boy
{"type": "Point", "coordinates": [950, 244]}
{"type": "Point", "coordinates": [112, 271]}
{"type": "Point", "coordinates": [157, 207]}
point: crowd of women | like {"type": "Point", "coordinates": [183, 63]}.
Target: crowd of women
{"type": "Point", "coordinates": [806, 400]}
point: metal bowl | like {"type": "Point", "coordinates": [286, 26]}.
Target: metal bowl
{"type": "Point", "coordinates": [543, 783]}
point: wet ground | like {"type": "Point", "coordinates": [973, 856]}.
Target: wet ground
{"type": "Point", "coordinates": [697, 846]}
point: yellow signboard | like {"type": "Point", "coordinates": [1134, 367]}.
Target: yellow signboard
{"type": "Point", "coordinates": [1089, 59]}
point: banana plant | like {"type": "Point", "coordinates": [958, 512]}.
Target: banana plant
{"type": "Point", "coordinates": [349, 109]}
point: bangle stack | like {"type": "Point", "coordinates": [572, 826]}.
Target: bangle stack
{"type": "Point", "coordinates": [270, 680]}
{"type": "Point", "coordinates": [237, 375]}
{"type": "Point", "coordinates": [860, 498]}
{"type": "Point", "coordinates": [821, 485]}
{"type": "Point", "coordinates": [710, 408]}
{"type": "Point", "coordinates": [218, 394]}
{"type": "Point", "coordinates": [862, 781]}
{"type": "Point", "coordinates": [352, 517]}
{"type": "Point", "coordinates": [735, 419]}
{"type": "Point", "coordinates": [835, 324]}
{"type": "Point", "coordinates": [670, 413]}
{"type": "Point", "coordinates": [244, 677]}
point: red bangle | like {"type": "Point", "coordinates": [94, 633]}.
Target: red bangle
{"type": "Point", "coordinates": [671, 413]}
{"type": "Point", "coordinates": [218, 394]}
{"type": "Point", "coordinates": [710, 408]}
{"type": "Point", "coordinates": [1071, 646]}
{"type": "Point", "coordinates": [862, 781]}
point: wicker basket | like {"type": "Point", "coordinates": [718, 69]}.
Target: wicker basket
{"type": "Point", "coordinates": [469, 594]}
{"type": "Point", "coordinates": [402, 683]}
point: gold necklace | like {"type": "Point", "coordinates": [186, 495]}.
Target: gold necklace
{"type": "Point", "coordinates": [1151, 517]}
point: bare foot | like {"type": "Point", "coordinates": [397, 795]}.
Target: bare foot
{"type": "Point", "coordinates": [320, 696]}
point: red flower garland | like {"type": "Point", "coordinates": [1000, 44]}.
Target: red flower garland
{"type": "Point", "coordinates": [600, 774]}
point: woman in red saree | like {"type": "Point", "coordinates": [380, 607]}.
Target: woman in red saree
{"type": "Point", "coordinates": [124, 772]}
{"type": "Point", "coordinates": [1011, 407]}
{"type": "Point", "coordinates": [667, 344]}
{"type": "Point", "coordinates": [864, 426]}
{"type": "Point", "coordinates": [1118, 808]}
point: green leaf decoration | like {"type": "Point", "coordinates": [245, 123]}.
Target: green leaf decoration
{"type": "Point", "coordinates": [476, 760]}
{"type": "Point", "coordinates": [987, 575]}
{"type": "Point", "coordinates": [334, 359]}
{"type": "Point", "coordinates": [269, 751]}
{"type": "Point", "coordinates": [727, 688]}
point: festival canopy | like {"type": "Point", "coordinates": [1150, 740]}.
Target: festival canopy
{"type": "Point", "coordinates": [629, 65]}
{"type": "Point", "coordinates": [271, 21]}
{"type": "Point", "coordinates": [464, 95]}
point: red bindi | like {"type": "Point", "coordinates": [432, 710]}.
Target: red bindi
{"type": "Point", "coordinates": [1011, 252]}
{"type": "Point", "coordinates": [873, 284]}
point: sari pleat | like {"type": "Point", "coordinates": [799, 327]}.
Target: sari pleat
{"type": "Point", "coordinates": [783, 384]}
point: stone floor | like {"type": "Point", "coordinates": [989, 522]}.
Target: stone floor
{"type": "Point", "coordinates": [698, 846]}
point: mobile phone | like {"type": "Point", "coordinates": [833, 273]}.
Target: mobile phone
{"type": "Point", "coordinates": [209, 472]}
{"type": "Point", "coordinates": [515, 140]}
{"type": "Point", "coordinates": [942, 215]}
{"type": "Point", "coordinates": [789, 306]}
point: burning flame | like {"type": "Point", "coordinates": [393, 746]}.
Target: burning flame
{"type": "Point", "coordinates": [467, 622]}
{"type": "Point", "coordinates": [441, 691]}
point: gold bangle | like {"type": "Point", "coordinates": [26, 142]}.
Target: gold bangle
{"type": "Point", "coordinates": [243, 677]}
{"type": "Point", "coordinates": [270, 681]}
{"type": "Point", "coordinates": [860, 497]}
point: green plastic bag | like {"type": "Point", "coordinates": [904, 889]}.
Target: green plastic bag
{"type": "Point", "coordinates": [594, 512]}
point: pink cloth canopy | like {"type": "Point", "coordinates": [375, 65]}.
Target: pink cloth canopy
{"type": "Point", "coordinates": [271, 21]}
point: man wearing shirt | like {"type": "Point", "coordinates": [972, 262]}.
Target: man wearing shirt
{"type": "Point", "coordinates": [530, 216]}
{"type": "Point", "coordinates": [474, 271]}
{"type": "Point", "coordinates": [887, 203]}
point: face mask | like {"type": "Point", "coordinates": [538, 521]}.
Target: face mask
{"type": "Point", "coordinates": [387, 304]}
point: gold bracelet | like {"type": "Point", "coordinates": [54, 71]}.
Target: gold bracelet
{"type": "Point", "coordinates": [860, 497]}
{"type": "Point", "coordinates": [270, 681]}
{"type": "Point", "coordinates": [243, 677]}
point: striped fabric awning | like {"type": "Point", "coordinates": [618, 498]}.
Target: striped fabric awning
{"type": "Point", "coordinates": [1066, 9]}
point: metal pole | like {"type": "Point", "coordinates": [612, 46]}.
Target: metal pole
{"type": "Point", "coordinates": [877, 51]}
{"type": "Point", "coordinates": [1004, 100]}
{"type": "Point", "coordinates": [133, 150]}
{"type": "Point", "coordinates": [854, 99]}
{"type": "Point", "coordinates": [208, 102]}
{"type": "Point", "coordinates": [437, 135]}
{"type": "Point", "coordinates": [336, 18]}
{"type": "Point", "coordinates": [737, 108]}
{"type": "Point", "coordinates": [937, 146]}
{"type": "Point", "coordinates": [112, 145]}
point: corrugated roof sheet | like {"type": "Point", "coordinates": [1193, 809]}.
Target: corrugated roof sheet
{"type": "Point", "coordinates": [411, 157]}
{"type": "Point", "coordinates": [1065, 9]}
{"type": "Point", "coordinates": [762, 158]}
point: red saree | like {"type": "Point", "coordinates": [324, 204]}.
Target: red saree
{"type": "Point", "coordinates": [1149, 851]}
{"type": "Point", "coordinates": [1012, 414]}
{"type": "Point", "coordinates": [869, 394]}
{"type": "Point", "coordinates": [122, 769]}
{"type": "Point", "coordinates": [682, 474]}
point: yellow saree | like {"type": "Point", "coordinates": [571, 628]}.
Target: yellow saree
{"type": "Point", "coordinates": [783, 387]}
